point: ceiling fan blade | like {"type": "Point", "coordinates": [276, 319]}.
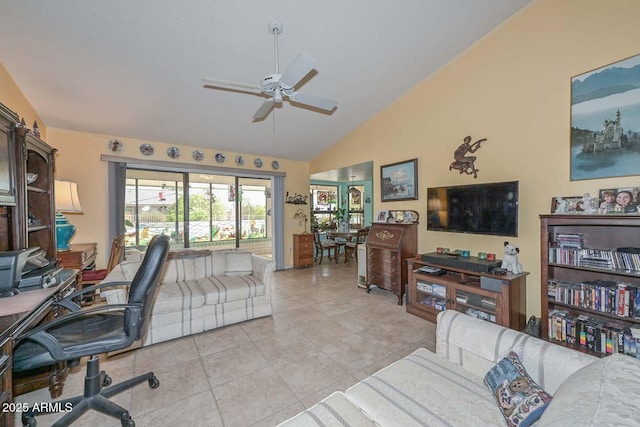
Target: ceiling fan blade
{"type": "Point", "coordinates": [300, 67]}
{"type": "Point", "coordinates": [226, 84]}
{"type": "Point", "coordinates": [264, 110]}
{"type": "Point", "coordinates": [314, 101]}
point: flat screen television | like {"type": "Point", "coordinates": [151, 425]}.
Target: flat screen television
{"type": "Point", "coordinates": [478, 209]}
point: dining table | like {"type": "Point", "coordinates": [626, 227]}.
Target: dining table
{"type": "Point", "coordinates": [341, 237]}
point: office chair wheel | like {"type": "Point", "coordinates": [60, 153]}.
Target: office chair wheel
{"type": "Point", "coordinates": [28, 421]}
{"type": "Point", "coordinates": [127, 422]}
{"type": "Point", "coordinates": [154, 382]}
{"type": "Point", "coordinates": [106, 381]}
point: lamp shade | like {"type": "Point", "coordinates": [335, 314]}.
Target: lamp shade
{"type": "Point", "coordinates": [66, 195]}
{"type": "Point", "coordinates": [67, 201]}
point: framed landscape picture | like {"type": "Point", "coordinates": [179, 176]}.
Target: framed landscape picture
{"type": "Point", "coordinates": [399, 181]}
{"type": "Point", "coordinates": [605, 121]}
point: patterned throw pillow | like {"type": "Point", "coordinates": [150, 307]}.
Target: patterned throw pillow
{"type": "Point", "coordinates": [520, 399]}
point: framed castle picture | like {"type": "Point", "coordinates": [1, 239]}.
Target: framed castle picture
{"type": "Point", "coordinates": [605, 121]}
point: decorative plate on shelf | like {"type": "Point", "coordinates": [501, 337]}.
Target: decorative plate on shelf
{"type": "Point", "coordinates": [146, 149]}
{"type": "Point", "coordinates": [197, 155]}
{"type": "Point", "coordinates": [173, 152]}
{"type": "Point", "coordinates": [258, 162]}
{"type": "Point", "coordinates": [239, 160]}
{"type": "Point", "coordinates": [115, 145]}
{"type": "Point", "coordinates": [267, 193]}
{"type": "Point", "coordinates": [31, 177]}
{"type": "Point", "coordinates": [275, 164]}
{"type": "Point", "coordinates": [220, 158]}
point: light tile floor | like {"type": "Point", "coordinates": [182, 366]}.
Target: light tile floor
{"type": "Point", "coordinates": [326, 334]}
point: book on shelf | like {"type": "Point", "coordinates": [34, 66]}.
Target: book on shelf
{"type": "Point", "coordinates": [462, 297]}
{"type": "Point", "coordinates": [605, 259]}
{"type": "Point", "coordinates": [439, 290]}
{"type": "Point", "coordinates": [424, 287]}
{"type": "Point", "coordinates": [600, 335]}
{"type": "Point", "coordinates": [575, 240]}
{"type": "Point", "coordinates": [488, 302]}
{"type": "Point", "coordinates": [605, 296]}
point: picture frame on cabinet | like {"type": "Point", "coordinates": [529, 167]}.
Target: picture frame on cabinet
{"type": "Point", "coordinates": [619, 200]}
{"type": "Point", "coordinates": [399, 181]}
{"type": "Point", "coordinates": [603, 121]}
{"type": "Point", "coordinates": [566, 205]}
{"type": "Point", "coordinates": [382, 216]}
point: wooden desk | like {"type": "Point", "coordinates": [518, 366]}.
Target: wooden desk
{"type": "Point", "coordinates": [82, 256]}
{"type": "Point", "coordinates": [18, 314]}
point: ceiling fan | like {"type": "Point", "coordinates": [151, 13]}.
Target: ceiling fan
{"type": "Point", "coordinates": [278, 86]}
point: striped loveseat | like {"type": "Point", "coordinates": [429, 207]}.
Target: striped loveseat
{"type": "Point", "coordinates": [201, 290]}
{"type": "Point", "coordinates": [446, 388]}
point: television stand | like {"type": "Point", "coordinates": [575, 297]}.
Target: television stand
{"type": "Point", "coordinates": [500, 299]}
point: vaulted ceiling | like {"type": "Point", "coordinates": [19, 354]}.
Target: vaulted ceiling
{"type": "Point", "coordinates": [134, 68]}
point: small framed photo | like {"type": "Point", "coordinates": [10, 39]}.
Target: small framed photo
{"type": "Point", "coordinates": [399, 181]}
{"type": "Point", "coordinates": [382, 216]}
{"type": "Point", "coordinates": [619, 200]}
{"type": "Point", "coordinates": [566, 205]}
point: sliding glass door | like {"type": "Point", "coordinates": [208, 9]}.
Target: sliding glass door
{"type": "Point", "coordinates": [198, 210]}
{"type": "Point", "coordinates": [254, 208]}
{"type": "Point", "coordinates": [153, 205]}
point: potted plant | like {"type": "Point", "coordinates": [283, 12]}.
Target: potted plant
{"type": "Point", "coordinates": [341, 219]}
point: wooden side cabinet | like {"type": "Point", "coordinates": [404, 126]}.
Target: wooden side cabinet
{"type": "Point", "coordinates": [504, 303]}
{"type": "Point", "coordinates": [303, 250]}
{"type": "Point", "coordinates": [388, 248]}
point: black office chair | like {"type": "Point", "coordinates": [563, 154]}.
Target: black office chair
{"type": "Point", "coordinates": [91, 332]}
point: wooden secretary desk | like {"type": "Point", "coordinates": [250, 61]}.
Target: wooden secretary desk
{"type": "Point", "coordinates": [389, 245]}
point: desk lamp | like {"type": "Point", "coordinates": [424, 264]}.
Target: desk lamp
{"type": "Point", "coordinates": [67, 201]}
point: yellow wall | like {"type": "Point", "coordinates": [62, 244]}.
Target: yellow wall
{"type": "Point", "coordinates": [13, 98]}
{"type": "Point", "coordinates": [513, 88]}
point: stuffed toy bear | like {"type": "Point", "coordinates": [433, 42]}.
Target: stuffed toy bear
{"type": "Point", "coordinates": [510, 258]}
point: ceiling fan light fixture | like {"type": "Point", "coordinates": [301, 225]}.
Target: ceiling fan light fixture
{"type": "Point", "coordinates": [277, 96]}
{"type": "Point", "coordinates": [353, 191]}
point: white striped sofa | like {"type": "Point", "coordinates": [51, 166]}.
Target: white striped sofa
{"type": "Point", "coordinates": [446, 388]}
{"type": "Point", "coordinates": [201, 290]}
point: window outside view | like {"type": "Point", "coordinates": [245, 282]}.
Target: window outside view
{"type": "Point", "coordinates": [155, 204]}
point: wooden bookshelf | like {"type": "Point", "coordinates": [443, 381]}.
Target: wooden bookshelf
{"type": "Point", "coordinates": [588, 289]}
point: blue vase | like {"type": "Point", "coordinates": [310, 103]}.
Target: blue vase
{"type": "Point", "coordinates": [64, 232]}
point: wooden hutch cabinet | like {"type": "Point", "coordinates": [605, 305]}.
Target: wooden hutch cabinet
{"type": "Point", "coordinates": [389, 245]}
{"type": "Point", "coordinates": [27, 219]}
{"type": "Point", "coordinates": [27, 210]}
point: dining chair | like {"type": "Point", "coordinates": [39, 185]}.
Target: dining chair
{"type": "Point", "coordinates": [94, 277]}
{"type": "Point", "coordinates": [324, 245]}
{"type": "Point", "coordinates": [351, 247]}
